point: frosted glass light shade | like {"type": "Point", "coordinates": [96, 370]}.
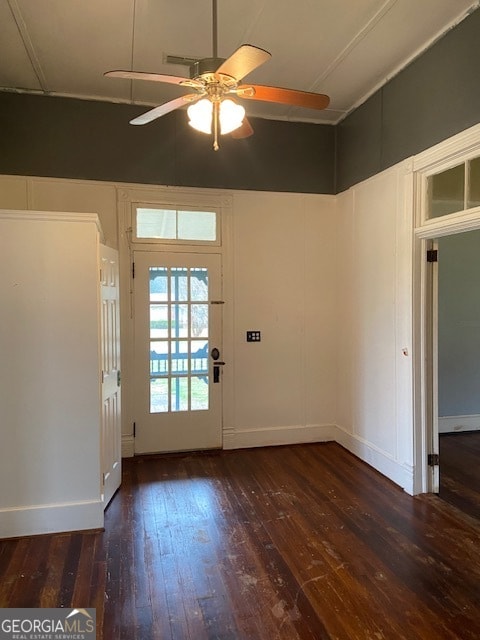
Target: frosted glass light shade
{"type": "Point", "coordinates": [231, 116]}
{"type": "Point", "coordinates": [200, 115]}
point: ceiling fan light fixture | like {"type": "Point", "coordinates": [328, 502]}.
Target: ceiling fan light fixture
{"type": "Point", "coordinates": [200, 115]}
{"type": "Point", "coordinates": [230, 115]}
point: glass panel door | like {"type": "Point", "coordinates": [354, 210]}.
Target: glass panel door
{"type": "Point", "coordinates": [177, 403]}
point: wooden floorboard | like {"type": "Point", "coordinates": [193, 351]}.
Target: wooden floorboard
{"type": "Point", "coordinates": [288, 543]}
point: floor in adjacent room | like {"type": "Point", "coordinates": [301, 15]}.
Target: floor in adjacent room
{"type": "Point", "coordinates": [289, 543]}
{"type": "Point", "coordinates": [460, 471]}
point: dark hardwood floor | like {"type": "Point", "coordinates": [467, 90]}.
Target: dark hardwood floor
{"type": "Point", "coordinates": [460, 471]}
{"type": "Point", "coordinates": [280, 543]}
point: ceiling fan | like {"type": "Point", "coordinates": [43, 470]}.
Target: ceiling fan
{"type": "Point", "coordinates": [214, 80]}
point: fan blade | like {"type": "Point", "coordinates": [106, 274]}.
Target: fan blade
{"type": "Point", "coordinates": [243, 61]}
{"type": "Point", "coordinates": [163, 109]}
{"type": "Point", "coordinates": [245, 130]}
{"type": "Point", "coordinates": [153, 77]}
{"type": "Point", "coordinates": [284, 96]}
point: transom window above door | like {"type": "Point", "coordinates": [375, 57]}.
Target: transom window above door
{"type": "Point", "coordinates": [453, 190]}
{"type": "Point", "coordinates": [175, 225]}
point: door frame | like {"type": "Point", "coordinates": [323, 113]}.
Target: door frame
{"type": "Point", "coordinates": [129, 196]}
{"type": "Point", "coordinates": [449, 153]}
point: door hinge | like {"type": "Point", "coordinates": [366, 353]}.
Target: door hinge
{"type": "Point", "coordinates": [433, 459]}
{"type": "Point", "coordinates": [432, 255]}
{"type": "Point", "coordinates": [133, 270]}
{"type": "Point", "coordinates": [134, 429]}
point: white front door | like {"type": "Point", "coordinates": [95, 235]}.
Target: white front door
{"type": "Point", "coordinates": [110, 360]}
{"type": "Point", "coordinates": [178, 351]}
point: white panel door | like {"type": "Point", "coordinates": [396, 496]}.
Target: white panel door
{"type": "Point", "coordinates": [110, 362]}
{"type": "Point", "coordinates": [178, 360]}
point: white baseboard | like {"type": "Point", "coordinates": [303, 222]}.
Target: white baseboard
{"type": "Point", "coordinates": [272, 436]}
{"type": "Point", "coordinates": [266, 437]}
{"type": "Point", "coordinates": [399, 473]}
{"type": "Point", "coordinates": [51, 518]}
{"type": "Point", "coordinates": [454, 424]}
{"type": "Point", "coordinates": [128, 446]}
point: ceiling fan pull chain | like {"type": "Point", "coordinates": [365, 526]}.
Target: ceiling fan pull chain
{"type": "Point", "coordinates": [215, 115]}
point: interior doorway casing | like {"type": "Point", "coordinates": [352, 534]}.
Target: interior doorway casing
{"type": "Point", "coordinates": [458, 149]}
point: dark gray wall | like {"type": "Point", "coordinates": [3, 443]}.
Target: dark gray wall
{"type": "Point", "coordinates": [435, 97]}
{"type": "Point", "coordinates": [71, 138]}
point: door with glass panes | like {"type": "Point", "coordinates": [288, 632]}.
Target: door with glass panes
{"type": "Point", "coordinates": [178, 351]}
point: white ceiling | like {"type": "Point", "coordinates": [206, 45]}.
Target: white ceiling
{"type": "Point", "coordinates": [344, 48]}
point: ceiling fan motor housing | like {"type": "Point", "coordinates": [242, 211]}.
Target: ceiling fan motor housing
{"type": "Point", "coordinates": [206, 65]}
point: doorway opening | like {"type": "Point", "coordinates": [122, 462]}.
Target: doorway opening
{"type": "Point", "coordinates": [448, 353]}
{"type": "Point", "coordinates": [458, 369]}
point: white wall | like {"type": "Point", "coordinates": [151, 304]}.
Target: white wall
{"type": "Point", "coordinates": [284, 265]}
{"type": "Point", "coordinates": [49, 194]}
{"type": "Point", "coordinates": [374, 274]}
{"type": "Point", "coordinates": [327, 280]}
{"type": "Point", "coordinates": [282, 254]}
